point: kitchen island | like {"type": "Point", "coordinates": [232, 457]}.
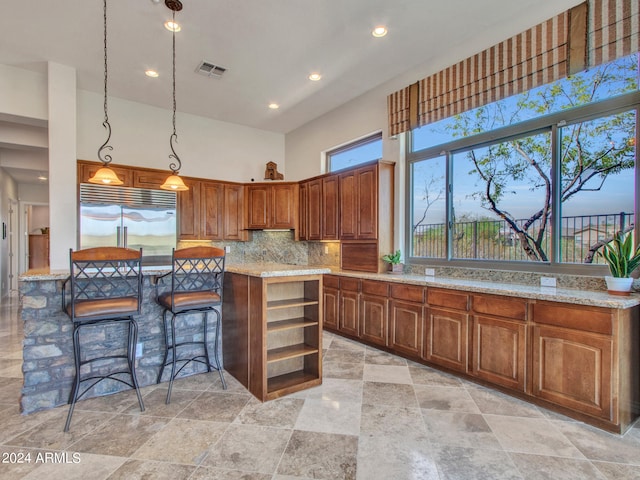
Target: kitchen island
{"type": "Point", "coordinates": [48, 366]}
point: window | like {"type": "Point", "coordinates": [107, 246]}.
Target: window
{"type": "Point", "coordinates": [544, 176]}
{"type": "Point", "coordinates": [355, 153]}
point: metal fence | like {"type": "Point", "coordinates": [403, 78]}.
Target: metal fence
{"type": "Point", "coordinates": [496, 240]}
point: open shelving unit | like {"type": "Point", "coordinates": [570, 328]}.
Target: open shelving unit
{"type": "Point", "coordinates": [279, 351]}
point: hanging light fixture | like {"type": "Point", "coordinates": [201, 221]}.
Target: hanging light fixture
{"type": "Point", "coordinates": [104, 175]}
{"type": "Point", "coordinates": [174, 182]}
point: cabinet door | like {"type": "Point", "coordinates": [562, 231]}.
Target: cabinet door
{"type": "Point", "coordinates": [348, 316]}
{"type": "Point", "coordinates": [211, 208]}
{"type": "Point", "coordinates": [314, 206]}
{"type": "Point", "coordinates": [303, 205]}
{"type": "Point", "coordinates": [86, 171]}
{"type": "Point", "coordinates": [189, 211]}
{"type": "Point", "coordinates": [447, 339]}
{"type": "Point", "coordinates": [283, 206]}
{"type": "Point", "coordinates": [259, 207]}
{"type": "Point", "coordinates": [573, 369]}
{"type": "Point", "coordinates": [330, 208]}
{"type": "Point", "coordinates": [499, 351]}
{"type": "Point", "coordinates": [150, 178]}
{"type": "Point", "coordinates": [367, 203]}
{"type": "Point", "coordinates": [330, 307]}
{"type": "Point", "coordinates": [406, 327]}
{"type": "Point", "coordinates": [348, 207]}
{"type": "Point", "coordinates": [374, 318]}
{"type": "Point", "coordinates": [234, 213]}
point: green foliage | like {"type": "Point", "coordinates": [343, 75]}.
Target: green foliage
{"type": "Point", "coordinates": [621, 254]}
{"type": "Point", "coordinates": [393, 258]}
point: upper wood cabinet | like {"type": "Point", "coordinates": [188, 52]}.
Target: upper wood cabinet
{"type": "Point", "coordinates": [149, 178]}
{"type": "Point", "coordinates": [359, 204]}
{"type": "Point", "coordinates": [272, 205]}
{"type": "Point", "coordinates": [330, 207]}
{"type": "Point", "coordinates": [211, 211]}
{"type": "Point", "coordinates": [319, 208]}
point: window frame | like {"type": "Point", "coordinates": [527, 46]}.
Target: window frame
{"type": "Point", "coordinates": [366, 140]}
{"type": "Point", "coordinates": [550, 122]}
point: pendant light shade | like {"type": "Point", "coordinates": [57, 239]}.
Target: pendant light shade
{"type": "Point", "coordinates": [104, 175]}
{"type": "Point", "coordinates": [174, 182]}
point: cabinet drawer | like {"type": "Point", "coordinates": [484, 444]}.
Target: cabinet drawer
{"type": "Point", "coordinates": [331, 281]}
{"type": "Point", "coordinates": [448, 298]}
{"type": "Point", "coordinates": [586, 319]}
{"type": "Point", "coordinates": [351, 284]}
{"type": "Point", "coordinates": [511, 308]}
{"type": "Point", "coordinates": [411, 293]}
{"type": "Point", "coordinates": [375, 288]}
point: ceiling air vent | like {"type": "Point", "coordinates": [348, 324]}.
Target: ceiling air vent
{"type": "Point", "coordinates": [209, 69]}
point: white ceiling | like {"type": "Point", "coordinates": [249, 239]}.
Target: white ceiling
{"type": "Point", "coordinates": [268, 46]}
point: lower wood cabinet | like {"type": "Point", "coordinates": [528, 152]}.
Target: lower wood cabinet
{"type": "Point", "coordinates": [499, 351]}
{"type": "Point", "coordinates": [349, 307]}
{"type": "Point", "coordinates": [447, 338]}
{"type": "Point", "coordinates": [406, 327]}
{"type": "Point", "coordinates": [581, 360]}
{"type": "Point", "coordinates": [374, 312]}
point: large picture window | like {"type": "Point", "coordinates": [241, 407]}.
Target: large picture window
{"type": "Point", "coordinates": [544, 176]}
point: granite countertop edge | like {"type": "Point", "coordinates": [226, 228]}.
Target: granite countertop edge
{"type": "Point", "coordinates": [269, 270]}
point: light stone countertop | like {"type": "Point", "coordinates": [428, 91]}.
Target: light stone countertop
{"type": "Point", "coordinates": [580, 297]}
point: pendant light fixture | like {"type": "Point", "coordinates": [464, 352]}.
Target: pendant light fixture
{"type": "Point", "coordinates": [173, 181]}
{"type": "Point", "coordinates": [105, 175]}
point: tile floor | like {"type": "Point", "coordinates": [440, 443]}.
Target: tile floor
{"type": "Point", "coordinates": [376, 416]}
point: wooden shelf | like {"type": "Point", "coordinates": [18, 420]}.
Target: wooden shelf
{"type": "Point", "coordinates": [291, 351]}
{"type": "Point", "coordinates": [290, 302]}
{"type": "Point", "coordinates": [293, 379]}
{"type": "Point", "coordinates": [288, 324]}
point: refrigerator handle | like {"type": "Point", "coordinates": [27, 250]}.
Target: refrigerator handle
{"type": "Point", "coordinates": [118, 237]}
{"type": "Point", "coordinates": [126, 240]}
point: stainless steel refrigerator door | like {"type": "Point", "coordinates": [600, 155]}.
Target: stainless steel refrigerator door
{"type": "Point", "coordinates": [99, 225]}
{"type": "Point", "coordinates": [152, 229]}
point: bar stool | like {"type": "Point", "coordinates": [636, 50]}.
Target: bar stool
{"type": "Point", "coordinates": [196, 286]}
{"type": "Point", "coordinates": [105, 289]}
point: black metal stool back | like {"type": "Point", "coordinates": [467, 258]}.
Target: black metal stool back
{"type": "Point", "coordinates": [105, 288]}
{"type": "Point", "coordinates": [196, 286]}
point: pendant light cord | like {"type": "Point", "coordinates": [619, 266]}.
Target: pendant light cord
{"type": "Point", "coordinates": [106, 159]}
{"type": "Point", "coordinates": [174, 166]}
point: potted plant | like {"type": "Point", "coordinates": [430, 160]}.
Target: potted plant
{"type": "Point", "coordinates": [394, 261]}
{"type": "Point", "coordinates": [622, 256]}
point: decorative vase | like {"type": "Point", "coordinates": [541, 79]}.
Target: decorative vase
{"type": "Point", "coordinates": [618, 286]}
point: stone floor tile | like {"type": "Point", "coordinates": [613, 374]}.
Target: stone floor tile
{"type": "Point", "coordinates": [344, 356]}
{"type": "Point", "coordinates": [211, 473]}
{"type": "Point", "coordinates": [459, 429]}
{"type": "Point", "coordinates": [337, 369]}
{"type": "Point", "coordinates": [374, 356]}
{"type": "Point", "coordinates": [338, 390]}
{"type": "Point", "coordinates": [134, 469]}
{"type": "Point", "coordinates": [329, 416]}
{"type": "Point", "coordinates": [341, 343]}
{"type": "Point", "coordinates": [448, 399]}
{"type": "Point", "coordinates": [599, 445]}
{"type": "Point", "coordinates": [121, 436]}
{"type": "Point", "coordinates": [375, 393]}
{"type": "Point", "coordinates": [249, 448]}
{"type": "Point", "coordinates": [531, 435]}
{"type": "Point", "coordinates": [457, 463]}
{"type": "Point", "coordinates": [182, 441]}
{"type": "Point", "coordinates": [387, 374]}
{"type": "Point", "coordinates": [539, 467]}
{"type": "Point", "coordinates": [74, 466]}
{"type": "Point", "coordinates": [14, 424]}
{"type": "Point", "coordinates": [392, 422]}
{"type": "Point", "coordinates": [215, 407]}
{"type": "Point", "coordinates": [494, 402]}
{"type": "Point", "coordinates": [428, 376]}
{"type": "Point", "coordinates": [320, 455]}
{"type": "Point", "coordinates": [155, 403]}
{"type": "Point", "coordinates": [282, 412]}
{"type": "Point", "coordinates": [381, 457]}
{"type": "Point", "coordinates": [618, 471]}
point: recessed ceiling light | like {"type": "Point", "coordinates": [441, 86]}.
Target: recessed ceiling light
{"type": "Point", "coordinates": [151, 73]}
{"type": "Point", "coordinates": [379, 31]}
{"type": "Point", "coordinates": [274, 106]}
{"type": "Point", "coordinates": [172, 26]}
{"type": "Point", "coordinates": [42, 178]}
{"type": "Point", "coordinates": [314, 77]}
